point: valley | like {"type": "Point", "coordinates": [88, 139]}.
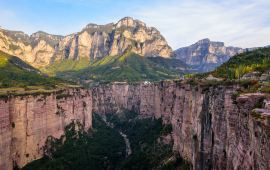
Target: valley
{"type": "Point", "coordinates": [217, 132]}
{"type": "Point", "coordinates": [116, 97]}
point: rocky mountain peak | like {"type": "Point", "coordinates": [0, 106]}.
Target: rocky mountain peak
{"type": "Point", "coordinates": [207, 41]}
{"type": "Point", "coordinates": [40, 34]}
{"type": "Point", "coordinates": [14, 35]}
{"type": "Point", "coordinates": [91, 25]}
{"type": "Point", "coordinates": [129, 22]}
{"type": "Point", "coordinates": [94, 41]}
{"type": "Point", "coordinates": [205, 55]}
{"type": "Point", "coordinates": [49, 39]}
{"type": "Point", "coordinates": [204, 41]}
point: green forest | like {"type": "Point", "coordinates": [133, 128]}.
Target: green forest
{"type": "Point", "coordinates": [103, 147]}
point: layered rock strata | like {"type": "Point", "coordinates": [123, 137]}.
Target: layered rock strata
{"type": "Point", "coordinates": [27, 121]}
{"type": "Point", "coordinates": [94, 41]}
{"type": "Point", "coordinates": [211, 128]}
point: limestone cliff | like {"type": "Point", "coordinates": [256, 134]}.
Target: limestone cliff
{"type": "Point", "coordinates": [211, 129]}
{"type": "Point", "coordinates": [206, 55]}
{"type": "Point", "coordinates": [27, 121]}
{"type": "Point", "coordinates": [94, 41]}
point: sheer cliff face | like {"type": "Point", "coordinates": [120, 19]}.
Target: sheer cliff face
{"type": "Point", "coordinates": [210, 129]}
{"type": "Point", "coordinates": [94, 41]}
{"type": "Point", "coordinates": [205, 55]}
{"type": "Point", "coordinates": [27, 121]}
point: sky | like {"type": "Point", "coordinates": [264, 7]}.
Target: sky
{"type": "Point", "coordinates": [241, 23]}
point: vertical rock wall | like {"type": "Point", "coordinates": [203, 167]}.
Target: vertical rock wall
{"type": "Point", "coordinates": [27, 121]}
{"type": "Point", "coordinates": [210, 128]}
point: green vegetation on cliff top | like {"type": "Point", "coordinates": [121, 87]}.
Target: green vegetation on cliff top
{"type": "Point", "coordinates": [237, 66]}
{"type": "Point", "coordinates": [256, 62]}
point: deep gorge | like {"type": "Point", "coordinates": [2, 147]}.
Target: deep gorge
{"type": "Point", "coordinates": [212, 128]}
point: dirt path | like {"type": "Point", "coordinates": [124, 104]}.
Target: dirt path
{"type": "Point", "coordinates": [127, 143]}
{"type": "Point", "coordinates": [128, 148]}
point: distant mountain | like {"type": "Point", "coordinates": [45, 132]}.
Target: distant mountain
{"type": "Point", "coordinates": [257, 60]}
{"type": "Point", "coordinates": [16, 73]}
{"type": "Point", "coordinates": [206, 55]}
{"type": "Point", "coordinates": [93, 42]}
{"type": "Point", "coordinates": [128, 67]}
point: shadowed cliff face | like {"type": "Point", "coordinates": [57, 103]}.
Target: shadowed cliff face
{"type": "Point", "coordinates": [94, 41]}
{"type": "Point", "coordinates": [27, 121]}
{"type": "Point", "coordinates": [210, 129]}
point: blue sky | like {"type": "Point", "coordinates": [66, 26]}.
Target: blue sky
{"type": "Point", "coordinates": [243, 23]}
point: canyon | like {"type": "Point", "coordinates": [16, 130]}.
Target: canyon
{"type": "Point", "coordinates": [213, 128]}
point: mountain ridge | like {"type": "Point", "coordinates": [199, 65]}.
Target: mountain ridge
{"type": "Point", "coordinates": [93, 41]}
{"type": "Point", "coordinates": [205, 55]}
{"type": "Point", "coordinates": [16, 73]}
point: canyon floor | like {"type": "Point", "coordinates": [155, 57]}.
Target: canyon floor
{"type": "Point", "coordinates": [113, 143]}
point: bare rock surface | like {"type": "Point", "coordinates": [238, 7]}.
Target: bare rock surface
{"type": "Point", "coordinates": [205, 55]}
{"type": "Point", "coordinates": [211, 130]}
{"type": "Point", "coordinates": [94, 41]}
{"type": "Point", "coordinates": [27, 121]}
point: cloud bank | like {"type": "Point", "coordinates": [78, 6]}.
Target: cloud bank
{"type": "Point", "coordinates": [238, 23]}
{"type": "Point", "coordinates": [243, 23]}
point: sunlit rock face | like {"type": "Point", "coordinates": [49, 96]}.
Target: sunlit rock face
{"type": "Point", "coordinates": [206, 55]}
{"type": "Point", "coordinates": [27, 121]}
{"type": "Point", "coordinates": [211, 129]}
{"type": "Point", "coordinates": [94, 41]}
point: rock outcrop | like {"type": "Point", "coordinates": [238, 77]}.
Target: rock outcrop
{"type": "Point", "coordinates": [94, 41]}
{"type": "Point", "coordinates": [27, 121]}
{"type": "Point", "coordinates": [211, 128]}
{"type": "Point", "coordinates": [206, 55]}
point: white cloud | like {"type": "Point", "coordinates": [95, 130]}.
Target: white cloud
{"type": "Point", "coordinates": [243, 23]}
{"type": "Point", "coordinates": [238, 23]}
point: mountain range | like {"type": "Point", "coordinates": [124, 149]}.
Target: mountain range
{"type": "Point", "coordinates": [93, 42]}
{"type": "Point", "coordinates": [203, 121]}
{"type": "Point", "coordinates": [60, 55]}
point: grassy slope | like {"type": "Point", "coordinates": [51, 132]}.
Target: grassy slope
{"type": "Point", "coordinates": [128, 67]}
{"type": "Point", "coordinates": [66, 65]}
{"type": "Point", "coordinates": [237, 66]}
{"type": "Point", "coordinates": [16, 73]}
{"type": "Point", "coordinates": [232, 72]}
